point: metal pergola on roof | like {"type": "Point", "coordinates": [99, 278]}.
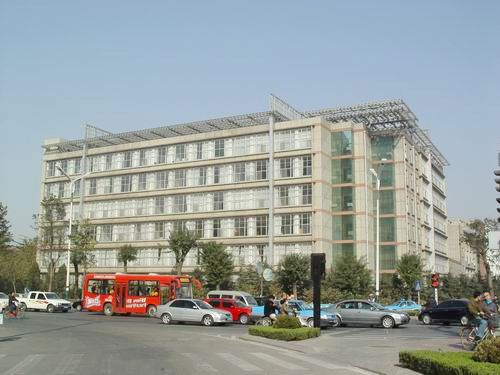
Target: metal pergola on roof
{"type": "Point", "coordinates": [380, 118]}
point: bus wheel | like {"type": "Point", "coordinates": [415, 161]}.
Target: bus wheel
{"type": "Point", "coordinates": [151, 310]}
{"type": "Point", "coordinates": [108, 309]}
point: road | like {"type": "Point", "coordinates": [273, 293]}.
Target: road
{"type": "Point", "coordinates": [88, 343]}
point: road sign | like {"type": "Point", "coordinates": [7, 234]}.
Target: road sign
{"type": "Point", "coordinates": [267, 274]}
{"type": "Point", "coordinates": [418, 286]}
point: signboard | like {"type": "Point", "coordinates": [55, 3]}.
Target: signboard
{"type": "Point", "coordinates": [418, 286]}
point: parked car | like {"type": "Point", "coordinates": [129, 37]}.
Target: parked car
{"type": "Point", "coordinates": [362, 312]}
{"type": "Point", "coordinates": [244, 297]}
{"type": "Point", "coordinates": [44, 301]}
{"type": "Point", "coordinates": [450, 311]}
{"type": "Point", "coordinates": [239, 311]}
{"type": "Point", "coordinates": [4, 300]}
{"type": "Point", "coordinates": [191, 310]}
{"type": "Point", "coordinates": [404, 305]}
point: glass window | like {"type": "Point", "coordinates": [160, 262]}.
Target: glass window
{"type": "Point", "coordinates": [179, 177]}
{"type": "Point", "coordinates": [305, 224]}
{"type": "Point", "coordinates": [109, 162]}
{"type": "Point", "coordinates": [285, 167]}
{"type": "Point", "coordinates": [142, 157]}
{"type": "Point", "coordinates": [215, 303]}
{"type": "Point", "coordinates": [126, 184]}
{"type": "Point", "coordinates": [239, 172]}
{"type": "Point", "coordinates": [387, 257]}
{"type": "Point", "coordinates": [162, 155]}
{"type": "Point", "coordinates": [240, 226]}
{"type": "Point", "coordinates": [218, 200]}
{"type": "Point", "coordinates": [342, 143]}
{"type": "Point", "coordinates": [77, 166]}
{"type": "Point", "coordinates": [106, 233]}
{"type": "Point", "coordinates": [283, 196]}
{"type": "Point", "coordinates": [159, 230]}
{"type": "Point", "coordinates": [51, 168]}
{"type": "Point", "coordinates": [219, 148]}
{"type": "Point", "coordinates": [387, 175]}
{"type": "Point", "coordinates": [142, 181]}
{"type": "Point", "coordinates": [340, 250]}
{"type": "Point", "coordinates": [108, 185]}
{"type": "Point", "coordinates": [286, 224]}
{"type": "Point", "coordinates": [180, 152]}
{"type": "Point", "coordinates": [261, 169]}
{"type": "Point", "coordinates": [342, 171]}
{"type": "Point", "coordinates": [387, 229]}
{"type": "Point", "coordinates": [261, 223]}
{"type": "Point", "coordinates": [199, 228]}
{"type": "Point", "coordinates": [216, 232]}
{"type": "Point", "coordinates": [216, 175]}
{"type": "Point", "coordinates": [199, 151]}
{"type": "Point", "coordinates": [342, 199]}
{"type": "Point", "coordinates": [64, 165]}
{"type": "Point", "coordinates": [307, 194]}
{"type": "Point", "coordinates": [202, 176]}
{"type": "Point", "coordinates": [343, 227]}
{"type": "Point", "coordinates": [93, 186]}
{"type": "Point", "coordinates": [162, 180]}
{"type": "Point", "coordinates": [127, 159]}
{"type": "Point", "coordinates": [143, 288]}
{"type": "Point", "coordinates": [76, 191]}
{"type": "Point", "coordinates": [307, 165]}
{"type": "Point", "coordinates": [382, 148]}
{"type": "Point", "coordinates": [386, 202]}
{"type": "Point", "coordinates": [179, 204]}
{"type": "Point", "coordinates": [159, 205]}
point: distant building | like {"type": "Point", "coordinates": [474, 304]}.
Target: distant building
{"type": "Point", "coordinates": [264, 184]}
{"type": "Point", "coordinates": [463, 260]}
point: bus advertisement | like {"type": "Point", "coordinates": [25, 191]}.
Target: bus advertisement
{"type": "Point", "coordinates": [133, 293]}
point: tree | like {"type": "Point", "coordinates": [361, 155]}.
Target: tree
{"type": "Point", "coordinates": [82, 252]}
{"type": "Point", "coordinates": [410, 269]}
{"type": "Point", "coordinates": [52, 234]}
{"type": "Point", "coordinates": [351, 277]}
{"type": "Point", "coordinates": [477, 238]}
{"type": "Point", "coordinates": [250, 281]}
{"type": "Point", "coordinates": [217, 264]}
{"type": "Point", "coordinates": [126, 254]}
{"type": "Point", "coordinates": [18, 267]}
{"type": "Point", "coordinates": [60, 279]}
{"type": "Point", "coordinates": [293, 273]}
{"type": "Point", "coordinates": [180, 243]}
{"type": "Point", "coordinates": [5, 235]}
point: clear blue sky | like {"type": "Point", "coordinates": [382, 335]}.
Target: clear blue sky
{"type": "Point", "coordinates": [126, 65]}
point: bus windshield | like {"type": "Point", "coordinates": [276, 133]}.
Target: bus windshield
{"type": "Point", "coordinates": [185, 291]}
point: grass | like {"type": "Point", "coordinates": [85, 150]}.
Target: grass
{"type": "Point", "coordinates": [284, 334]}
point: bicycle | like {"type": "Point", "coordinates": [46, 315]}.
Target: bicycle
{"type": "Point", "coordinates": [266, 321]}
{"type": "Point", "coordinates": [18, 313]}
{"type": "Point", "coordinates": [468, 336]}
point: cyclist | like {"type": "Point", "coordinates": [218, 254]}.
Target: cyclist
{"type": "Point", "coordinates": [270, 308]}
{"type": "Point", "coordinates": [13, 301]}
{"type": "Point", "coordinates": [492, 309]}
{"type": "Point", "coordinates": [480, 314]}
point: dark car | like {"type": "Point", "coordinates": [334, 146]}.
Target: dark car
{"type": "Point", "coordinates": [451, 311]}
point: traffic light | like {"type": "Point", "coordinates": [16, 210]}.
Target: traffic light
{"type": "Point", "coordinates": [435, 280]}
{"type": "Point", "coordinates": [497, 180]}
{"type": "Point", "coordinates": [318, 262]}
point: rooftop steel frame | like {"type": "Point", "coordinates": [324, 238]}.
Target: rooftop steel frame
{"type": "Point", "coordinates": [380, 118]}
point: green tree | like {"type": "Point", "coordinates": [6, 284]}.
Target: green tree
{"type": "Point", "coordinates": [216, 263]}
{"type": "Point", "coordinates": [5, 235]}
{"type": "Point", "coordinates": [181, 242]}
{"type": "Point", "coordinates": [52, 234]}
{"type": "Point", "coordinates": [60, 280]}
{"type": "Point", "coordinates": [350, 277]}
{"type": "Point", "coordinates": [126, 254]}
{"type": "Point", "coordinates": [293, 273]}
{"type": "Point", "coordinates": [410, 269]}
{"type": "Point", "coordinates": [82, 252]}
{"type": "Point", "coordinates": [18, 267]}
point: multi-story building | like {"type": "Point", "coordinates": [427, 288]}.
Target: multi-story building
{"type": "Point", "coordinates": [462, 258]}
{"type": "Point", "coordinates": [264, 184]}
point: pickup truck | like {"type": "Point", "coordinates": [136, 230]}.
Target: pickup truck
{"type": "Point", "coordinates": [44, 301]}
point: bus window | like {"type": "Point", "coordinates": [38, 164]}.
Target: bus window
{"type": "Point", "coordinates": [101, 286]}
{"type": "Point", "coordinates": [143, 288]}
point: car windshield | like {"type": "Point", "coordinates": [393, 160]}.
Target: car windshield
{"type": "Point", "coordinates": [51, 296]}
{"type": "Point", "coordinates": [299, 305]}
{"type": "Point", "coordinates": [251, 301]}
{"type": "Point", "coordinates": [203, 305]}
{"type": "Point", "coordinates": [240, 304]}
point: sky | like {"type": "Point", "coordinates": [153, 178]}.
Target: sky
{"type": "Point", "coordinates": [129, 65]}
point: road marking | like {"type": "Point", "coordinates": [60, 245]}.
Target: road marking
{"type": "Point", "coordinates": [69, 365]}
{"type": "Point", "coordinates": [241, 364]}
{"type": "Point", "coordinates": [328, 365]}
{"type": "Point", "coordinates": [21, 366]}
{"type": "Point", "coordinates": [278, 362]}
{"type": "Point", "coordinates": [195, 359]}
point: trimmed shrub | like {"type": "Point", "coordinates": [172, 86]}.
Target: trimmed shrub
{"type": "Point", "coordinates": [446, 363]}
{"type": "Point", "coordinates": [284, 334]}
{"type": "Point", "coordinates": [286, 321]}
{"type": "Point", "coordinates": [488, 351]}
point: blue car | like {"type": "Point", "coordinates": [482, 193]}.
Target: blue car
{"type": "Point", "coordinates": [404, 305]}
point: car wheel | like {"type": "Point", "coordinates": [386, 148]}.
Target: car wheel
{"type": "Point", "coordinates": [51, 308]}
{"type": "Point", "coordinates": [310, 322]}
{"type": "Point", "coordinates": [166, 319]}
{"type": "Point", "coordinates": [108, 309]}
{"type": "Point", "coordinates": [464, 320]}
{"type": "Point", "coordinates": [337, 323]}
{"type": "Point", "coordinates": [388, 322]}
{"type": "Point", "coordinates": [243, 319]}
{"type": "Point", "coordinates": [23, 306]}
{"type": "Point", "coordinates": [426, 319]}
{"type": "Point", "coordinates": [207, 320]}
{"type": "Point", "coordinates": [151, 310]}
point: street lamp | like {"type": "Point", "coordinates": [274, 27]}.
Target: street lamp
{"type": "Point", "coordinates": [377, 175]}
{"type": "Point", "coordinates": [71, 189]}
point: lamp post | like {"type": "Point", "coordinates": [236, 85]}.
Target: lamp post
{"type": "Point", "coordinates": [71, 189]}
{"type": "Point", "coordinates": [377, 174]}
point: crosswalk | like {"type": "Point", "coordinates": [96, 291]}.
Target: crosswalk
{"type": "Point", "coordinates": [193, 363]}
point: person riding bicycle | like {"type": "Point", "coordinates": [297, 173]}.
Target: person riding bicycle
{"type": "Point", "coordinates": [492, 308]}
{"type": "Point", "coordinates": [479, 313]}
{"type": "Point", "coordinates": [13, 303]}
{"type": "Point", "coordinates": [270, 308]}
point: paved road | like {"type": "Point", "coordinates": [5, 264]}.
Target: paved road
{"type": "Point", "coordinates": [86, 343]}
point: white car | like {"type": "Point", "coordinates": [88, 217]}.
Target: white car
{"type": "Point", "coordinates": [4, 301]}
{"type": "Point", "coordinates": [192, 310]}
{"type": "Point", "coordinates": [44, 301]}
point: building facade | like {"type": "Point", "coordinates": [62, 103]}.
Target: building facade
{"type": "Point", "coordinates": [265, 185]}
{"type": "Point", "coordinates": [463, 260]}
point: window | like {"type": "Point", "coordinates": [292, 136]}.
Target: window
{"type": "Point", "coordinates": [202, 176]}
{"type": "Point", "coordinates": [159, 231]}
{"type": "Point", "coordinates": [180, 177]}
{"type": "Point", "coordinates": [216, 175]}
{"type": "Point", "coordinates": [76, 191]}
{"type": "Point", "coordinates": [64, 165]}
{"type": "Point", "coordinates": [382, 148]}
{"type": "Point", "coordinates": [108, 185]}
{"type": "Point", "coordinates": [215, 303]}
{"type": "Point", "coordinates": [180, 152]}
{"type": "Point", "coordinates": [342, 143]}
{"type": "Point", "coordinates": [343, 227]}
{"type": "Point", "coordinates": [305, 224]}
{"type": "Point", "coordinates": [159, 205]}
{"type": "Point", "coordinates": [306, 194]}
{"type": "Point", "coordinates": [239, 172]}
{"type": "Point", "coordinates": [179, 226]}
{"type": "Point", "coordinates": [240, 226]}
{"type": "Point", "coordinates": [216, 232]}
{"type": "Point", "coordinates": [387, 175]}
{"type": "Point", "coordinates": [283, 196]}
{"type": "Point", "coordinates": [342, 199]}
{"type": "Point", "coordinates": [219, 148]}
{"type": "Point", "coordinates": [93, 186]}
{"type": "Point", "coordinates": [162, 155]}
{"type": "Point", "coordinates": [126, 184]}
{"type": "Point", "coordinates": [199, 228]}
{"type": "Point", "coordinates": [387, 229]}
{"type": "Point", "coordinates": [41, 296]}
{"type": "Point", "coordinates": [307, 165]}
{"type": "Point", "coordinates": [341, 250]}
{"type": "Point", "coordinates": [218, 200]}
{"type": "Point", "coordinates": [106, 233]}
{"type": "Point", "coordinates": [76, 169]}
{"type": "Point", "coordinates": [342, 171]}
{"type": "Point", "coordinates": [162, 180]}
{"type": "Point", "coordinates": [109, 162]}
{"type": "Point", "coordinates": [51, 168]}
{"type": "Point", "coordinates": [143, 288]}
{"type": "Point", "coordinates": [60, 190]}
{"type": "Point", "coordinates": [227, 304]}
{"type": "Point", "coordinates": [179, 204]}
{"type": "Point", "coordinates": [142, 183]}
{"type": "Point", "coordinates": [142, 158]}
{"type": "Point", "coordinates": [261, 224]}
{"type": "Point", "coordinates": [138, 232]}
{"type": "Point", "coordinates": [286, 224]}
{"type": "Point", "coordinates": [261, 169]}
{"type": "Point", "coordinates": [285, 168]}
{"type": "Point", "coordinates": [386, 202]}
{"type": "Point", "coordinates": [199, 151]}
{"type": "Point", "coordinates": [388, 257]}
{"type": "Point", "coordinates": [101, 286]}
{"type": "Point", "coordinates": [127, 159]}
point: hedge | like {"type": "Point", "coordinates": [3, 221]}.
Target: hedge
{"type": "Point", "coordinates": [446, 363]}
{"type": "Point", "coordinates": [284, 333]}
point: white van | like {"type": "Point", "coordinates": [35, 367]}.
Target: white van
{"type": "Point", "coordinates": [244, 297]}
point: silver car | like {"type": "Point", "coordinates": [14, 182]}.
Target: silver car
{"type": "Point", "coordinates": [361, 312]}
{"type": "Point", "coordinates": [192, 310]}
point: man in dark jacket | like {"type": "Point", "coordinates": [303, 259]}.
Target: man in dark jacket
{"type": "Point", "coordinates": [492, 308]}
{"type": "Point", "coordinates": [480, 314]}
{"type": "Point", "coordinates": [270, 308]}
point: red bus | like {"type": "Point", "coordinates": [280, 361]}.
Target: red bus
{"type": "Point", "coordinates": [133, 293]}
